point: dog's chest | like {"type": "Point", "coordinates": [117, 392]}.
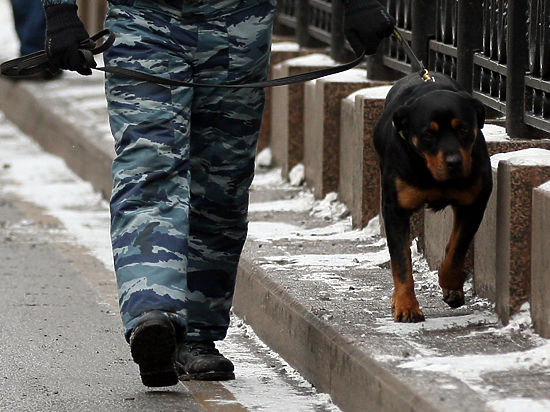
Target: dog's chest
{"type": "Point", "coordinates": [411, 197]}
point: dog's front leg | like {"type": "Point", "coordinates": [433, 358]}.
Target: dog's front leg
{"type": "Point", "coordinates": [405, 306]}
{"type": "Point", "coordinates": [451, 272]}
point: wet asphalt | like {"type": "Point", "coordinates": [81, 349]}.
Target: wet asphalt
{"type": "Point", "coordinates": [60, 341]}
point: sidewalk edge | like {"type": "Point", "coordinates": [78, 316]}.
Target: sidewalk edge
{"type": "Point", "coordinates": [329, 361]}
{"type": "Point", "coordinates": [57, 136]}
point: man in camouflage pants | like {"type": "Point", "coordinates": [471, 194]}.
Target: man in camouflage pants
{"type": "Point", "coordinates": [184, 164]}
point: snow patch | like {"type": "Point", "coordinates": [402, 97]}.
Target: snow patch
{"type": "Point", "coordinates": [297, 175]}
{"type": "Point", "coordinates": [471, 368]}
{"type": "Point", "coordinates": [264, 158]}
{"type": "Point", "coordinates": [330, 208]}
{"type": "Point", "coordinates": [270, 178]}
{"type": "Point", "coordinates": [283, 46]}
{"type": "Point", "coordinates": [545, 187]}
{"type": "Point", "coordinates": [303, 202]}
{"type": "Point", "coordinates": [495, 133]}
{"type": "Point", "coordinates": [519, 405]}
{"type": "Point", "coordinates": [525, 157]}
{"type": "Point", "coordinates": [336, 262]}
{"type": "Point", "coordinates": [433, 324]}
{"type": "Point", "coordinates": [379, 92]}
{"type": "Point", "coordinates": [313, 60]}
{"type": "Point", "coordinates": [349, 76]}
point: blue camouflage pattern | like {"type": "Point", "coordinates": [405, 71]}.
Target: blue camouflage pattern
{"type": "Point", "coordinates": [52, 2]}
{"type": "Point", "coordinates": [185, 156]}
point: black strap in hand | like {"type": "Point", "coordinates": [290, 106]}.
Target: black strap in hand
{"type": "Point", "coordinates": [39, 62]}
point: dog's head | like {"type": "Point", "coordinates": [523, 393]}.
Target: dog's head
{"type": "Point", "coordinates": [442, 125]}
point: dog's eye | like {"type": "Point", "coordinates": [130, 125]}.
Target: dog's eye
{"type": "Point", "coordinates": [464, 133]}
{"type": "Point", "coordinates": [429, 137]}
{"type": "Point", "coordinates": [463, 130]}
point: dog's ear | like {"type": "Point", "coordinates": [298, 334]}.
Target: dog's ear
{"type": "Point", "coordinates": [400, 121]}
{"type": "Point", "coordinates": [478, 107]}
{"type": "Point", "coordinates": [480, 111]}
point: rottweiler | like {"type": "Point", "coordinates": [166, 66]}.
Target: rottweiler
{"type": "Point", "coordinates": [431, 152]}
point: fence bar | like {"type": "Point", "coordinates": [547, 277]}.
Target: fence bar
{"type": "Point", "coordinates": [469, 40]}
{"type": "Point", "coordinates": [337, 39]}
{"type": "Point", "coordinates": [423, 27]}
{"type": "Point", "coordinates": [302, 21]}
{"type": "Point", "coordinates": [537, 84]}
{"type": "Point", "coordinates": [517, 52]}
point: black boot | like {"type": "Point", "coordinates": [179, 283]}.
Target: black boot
{"type": "Point", "coordinates": [202, 361]}
{"type": "Point", "coordinates": [153, 346]}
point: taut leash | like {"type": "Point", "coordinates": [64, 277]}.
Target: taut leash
{"type": "Point", "coordinates": [416, 64]}
{"type": "Point", "coordinates": [36, 63]}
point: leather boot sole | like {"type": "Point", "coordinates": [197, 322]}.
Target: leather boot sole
{"type": "Point", "coordinates": [153, 347]}
{"type": "Point", "coordinates": [206, 376]}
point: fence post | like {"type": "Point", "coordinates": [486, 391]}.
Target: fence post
{"type": "Point", "coordinates": [422, 27]}
{"type": "Point", "coordinates": [337, 39]}
{"type": "Point", "coordinates": [517, 50]}
{"type": "Point", "coordinates": [469, 40]}
{"type": "Point", "coordinates": [302, 22]}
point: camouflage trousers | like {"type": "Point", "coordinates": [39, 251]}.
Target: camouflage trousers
{"type": "Point", "coordinates": [185, 156]}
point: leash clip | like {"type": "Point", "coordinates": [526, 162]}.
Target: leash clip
{"type": "Point", "coordinates": [426, 76]}
{"type": "Point", "coordinates": [416, 64]}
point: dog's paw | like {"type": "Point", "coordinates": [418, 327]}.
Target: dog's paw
{"type": "Point", "coordinates": [407, 312]}
{"type": "Point", "coordinates": [453, 298]}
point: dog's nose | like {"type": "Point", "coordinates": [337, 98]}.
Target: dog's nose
{"type": "Point", "coordinates": [453, 162]}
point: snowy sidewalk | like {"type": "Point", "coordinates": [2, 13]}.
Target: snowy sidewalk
{"type": "Point", "coordinates": [319, 293]}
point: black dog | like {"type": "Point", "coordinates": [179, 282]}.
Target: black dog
{"type": "Point", "coordinates": [431, 151]}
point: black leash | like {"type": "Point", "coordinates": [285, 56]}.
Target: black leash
{"type": "Point", "coordinates": [416, 64]}
{"type": "Point", "coordinates": [38, 63]}
{"type": "Point", "coordinates": [34, 64]}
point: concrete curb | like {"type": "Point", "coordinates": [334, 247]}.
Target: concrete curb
{"type": "Point", "coordinates": [332, 363]}
{"type": "Point", "coordinates": [89, 160]}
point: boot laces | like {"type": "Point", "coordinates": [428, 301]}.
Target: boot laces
{"type": "Point", "coordinates": [203, 348]}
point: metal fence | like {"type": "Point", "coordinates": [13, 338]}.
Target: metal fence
{"type": "Point", "coordinates": [497, 49]}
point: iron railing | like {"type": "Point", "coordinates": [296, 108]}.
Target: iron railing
{"type": "Point", "coordinates": [473, 41]}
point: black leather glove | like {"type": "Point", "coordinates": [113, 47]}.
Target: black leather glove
{"type": "Point", "coordinates": [366, 23]}
{"type": "Point", "coordinates": [64, 33]}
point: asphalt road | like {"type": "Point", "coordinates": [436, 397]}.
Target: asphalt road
{"type": "Point", "coordinates": [61, 346]}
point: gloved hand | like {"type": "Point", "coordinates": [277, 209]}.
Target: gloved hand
{"type": "Point", "coordinates": [64, 32]}
{"type": "Point", "coordinates": [366, 23]}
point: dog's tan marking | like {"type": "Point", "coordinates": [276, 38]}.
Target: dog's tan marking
{"type": "Point", "coordinates": [405, 306]}
{"type": "Point", "coordinates": [434, 126]}
{"type": "Point", "coordinates": [436, 165]}
{"type": "Point", "coordinates": [455, 123]}
{"type": "Point", "coordinates": [466, 196]}
{"type": "Point", "coordinates": [411, 198]}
